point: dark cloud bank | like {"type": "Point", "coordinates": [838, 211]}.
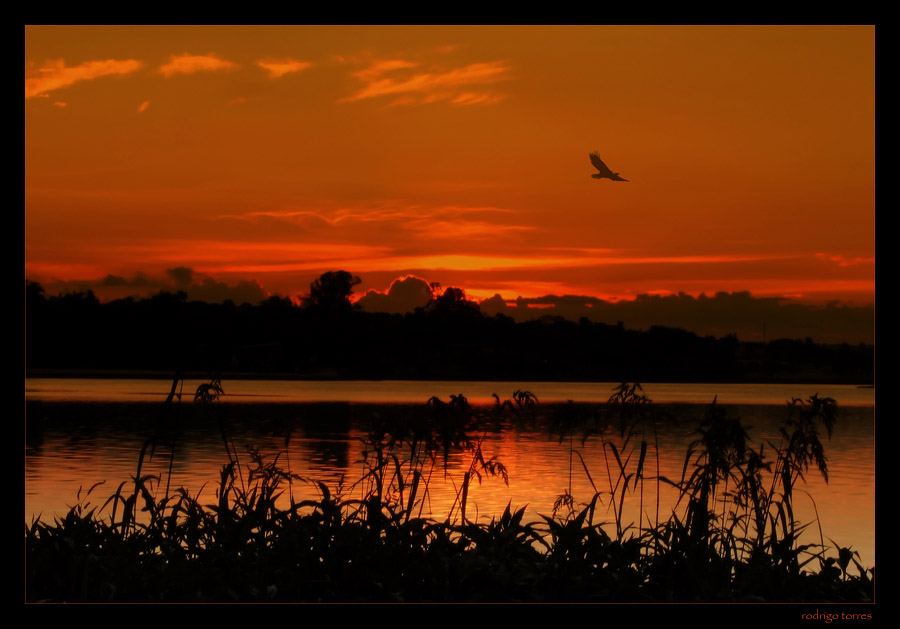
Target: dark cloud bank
{"type": "Point", "coordinates": [198, 287]}
{"type": "Point", "coordinates": [750, 318]}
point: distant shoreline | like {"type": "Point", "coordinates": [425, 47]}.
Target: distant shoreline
{"type": "Point", "coordinates": [196, 375]}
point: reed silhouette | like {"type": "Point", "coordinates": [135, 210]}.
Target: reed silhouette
{"type": "Point", "coordinates": [281, 537]}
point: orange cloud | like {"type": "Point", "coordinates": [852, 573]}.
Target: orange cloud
{"type": "Point", "coordinates": [342, 256]}
{"type": "Point", "coordinates": [380, 67]}
{"type": "Point", "coordinates": [143, 106]}
{"type": "Point", "coordinates": [455, 229]}
{"type": "Point", "coordinates": [842, 261]}
{"type": "Point", "coordinates": [54, 75]}
{"type": "Point", "coordinates": [444, 222]}
{"type": "Point", "coordinates": [427, 87]}
{"type": "Point", "coordinates": [191, 64]}
{"type": "Point", "coordinates": [279, 67]}
{"type": "Point", "coordinates": [404, 295]}
{"type": "Point", "coordinates": [241, 253]}
{"type": "Point", "coordinates": [473, 98]}
{"type": "Point", "coordinates": [524, 288]}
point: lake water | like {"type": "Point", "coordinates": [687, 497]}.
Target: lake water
{"type": "Point", "coordinates": [83, 431]}
{"type": "Point", "coordinates": [414, 392]}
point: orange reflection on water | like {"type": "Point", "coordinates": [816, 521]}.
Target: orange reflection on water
{"type": "Point", "coordinates": [62, 458]}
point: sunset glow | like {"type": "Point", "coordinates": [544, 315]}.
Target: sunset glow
{"type": "Point", "coordinates": [270, 155]}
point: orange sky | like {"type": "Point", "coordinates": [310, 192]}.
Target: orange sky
{"type": "Point", "coordinates": [458, 154]}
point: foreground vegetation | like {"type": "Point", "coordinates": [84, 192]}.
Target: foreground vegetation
{"type": "Point", "coordinates": [272, 535]}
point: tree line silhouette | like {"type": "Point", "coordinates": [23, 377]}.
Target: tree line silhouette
{"type": "Point", "coordinates": [450, 338]}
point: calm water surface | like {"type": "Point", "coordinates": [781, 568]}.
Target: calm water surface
{"type": "Point", "coordinates": [414, 392]}
{"type": "Point", "coordinates": [80, 432]}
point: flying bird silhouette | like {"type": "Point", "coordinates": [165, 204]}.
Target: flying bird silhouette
{"type": "Point", "coordinates": [605, 172]}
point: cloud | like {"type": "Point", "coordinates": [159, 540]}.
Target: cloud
{"type": "Point", "coordinates": [470, 262]}
{"type": "Point", "coordinates": [198, 286]}
{"type": "Point", "coordinates": [456, 229]}
{"type": "Point", "coordinates": [474, 98]}
{"type": "Point", "coordinates": [843, 261]}
{"type": "Point", "coordinates": [241, 257]}
{"type": "Point", "coordinates": [191, 64]}
{"type": "Point", "coordinates": [277, 68]}
{"type": "Point", "coordinates": [113, 280]}
{"type": "Point", "coordinates": [394, 77]}
{"type": "Point", "coordinates": [718, 315]}
{"type": "Point", "coordinates": [397, 253]}
{"type": "Point", "coordinates": [206, 288]}
{"type": "Point", "coordinates": [211, 291]}
{"type": "Point", "coordinates": [379, 67]}
{"type": "Point", "coordinates": [235, 251]}
{"type": "Point", "coordinates": [434, 223]}
{"type": "Point", "coordinates": [55, 75]}
{"type": "Point", "coordinates": [183, 276]}
{"type": "Point", "coordinates": [404, 295]}
{"type": "Point", "coordinates": [143, 106]}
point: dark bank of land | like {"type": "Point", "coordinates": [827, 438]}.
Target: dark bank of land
{"type": "Point", "coordinates": [450, 339]}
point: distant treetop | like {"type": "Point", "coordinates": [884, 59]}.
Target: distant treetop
{"type": "Point", "coordinates": [331, 292]}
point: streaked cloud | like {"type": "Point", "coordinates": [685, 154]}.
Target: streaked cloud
{"type": "Point", "coordinates": [845, 261]}
{"type": "Point", "coordinates": [464, 262]}
{"type": "Point", "coordinates": [442, 222]}
{"type": "Point", "coordinates": [475, 98]}
{"type": "Point", "coordinates": [277, 68]}
{"type": "Point", "coordinates": [55, 75]}
{"type": "Point", "coordinates": [379, 67]}
{"type": "Point", "coordinates": [458, 229]}
{"type": "Point", "coordinates": [528, 288]}
{"type": "Point", "coordinates": [380, 259]}
{"type": "Point", "coordinates": [143, 106]}
{"type": "Point", "coordinates": [265, 257]}
{"type": "Point", "coordinates": [191, 64]}
{"type": "Point", "coordinates": [240, 253]}
{"type": "Point", "coordinates": [409, 84]}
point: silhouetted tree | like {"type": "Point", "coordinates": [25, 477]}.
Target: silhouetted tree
{"type": "Point", "coordinates": [164, 298]}
{"type": "Point", "coordinates": [453, 300]}
{"type": "Point", "coordinates": [276, 303]}
{"type": "Point", "coordinates": [34, 292]}
{"type": "Point", "coordinates": [79, 300]}
{"type": "Point", "coordinates": [331, 292]}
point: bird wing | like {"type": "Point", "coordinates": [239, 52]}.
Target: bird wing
{"type": "Point", "coordinates": [598, 163]}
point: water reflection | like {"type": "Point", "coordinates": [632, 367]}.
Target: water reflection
{"type": "Point", "coordinates": [71, 445]}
